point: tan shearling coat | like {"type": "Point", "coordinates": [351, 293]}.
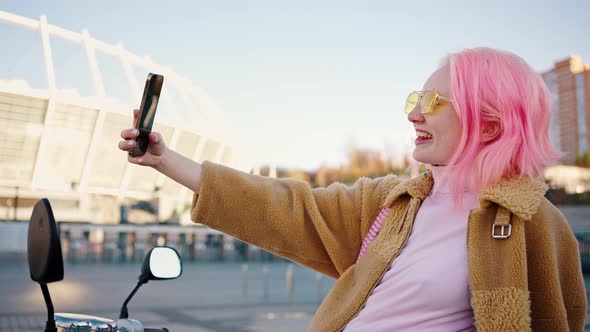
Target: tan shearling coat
{"type": "Point", "coordinates": [530, 280]}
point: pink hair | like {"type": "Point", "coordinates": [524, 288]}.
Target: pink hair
{"type": "Point", "coordinates": [504, 107]}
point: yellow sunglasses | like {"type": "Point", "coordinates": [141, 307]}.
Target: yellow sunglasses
{"type": "Point", "coordinates": [428, 100]}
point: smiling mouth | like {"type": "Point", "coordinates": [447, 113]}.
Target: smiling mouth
{"type": "Point", "coordinates": [423, 137]}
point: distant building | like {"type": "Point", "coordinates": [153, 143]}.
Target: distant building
{"type": "Point", "coordinates": [569, 83]}
{"type": "Point", "coordinates": [572, 179]}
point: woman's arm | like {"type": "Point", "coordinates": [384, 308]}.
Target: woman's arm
{"type": "Point", "coordinates": [181, 169]}
{"type": "Point", "coordinates": [319, 228]}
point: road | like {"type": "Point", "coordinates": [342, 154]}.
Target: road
{"type": "Point", "coordinates": [207, 297]}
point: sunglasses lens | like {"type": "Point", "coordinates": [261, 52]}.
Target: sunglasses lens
{"type": "Point", "coordinates": [428, 100]}
{"type": "Point", "coordinates": [411, 102]}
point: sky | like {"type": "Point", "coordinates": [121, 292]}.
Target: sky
{"type": "Point", "coordinates": [304, 80]}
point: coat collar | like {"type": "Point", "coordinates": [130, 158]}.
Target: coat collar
{"type": "Point", "coordinates": [521, 195]}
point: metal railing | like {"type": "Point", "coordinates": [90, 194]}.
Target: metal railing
{"type": "Point", "coordinates": [92, 243]}
{"type": "Point", "coordinates": [583, 237]}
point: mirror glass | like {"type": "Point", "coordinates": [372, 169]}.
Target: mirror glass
{"type": "Point", "coordinates": [165, 263]}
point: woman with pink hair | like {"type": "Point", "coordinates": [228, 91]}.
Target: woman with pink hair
{"type": "Point", "coordinates": [471, 244]}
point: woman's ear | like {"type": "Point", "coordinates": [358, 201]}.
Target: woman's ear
{"type": "Point", "coordinates": [491, 132]}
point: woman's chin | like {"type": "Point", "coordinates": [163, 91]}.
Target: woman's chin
{"type": "Point", "coordinates": [420, 156]}
{"type": "Point", "coordinates": [424, 157]}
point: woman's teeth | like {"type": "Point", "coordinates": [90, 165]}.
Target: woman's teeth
{"type": "Point", "coordinates": [424, 135]}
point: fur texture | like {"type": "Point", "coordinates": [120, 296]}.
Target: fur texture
{"type": "Point", "coordinates": [495, 309]}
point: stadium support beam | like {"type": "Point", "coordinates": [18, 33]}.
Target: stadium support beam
{"type": "Point", "coordinates": [47, 56]}
{"type": "Point", "coordinates": [19, 20]}
{"type": "Point", "coordinates": [125, 62]}
{"type": "Point", "coordinates": [94, 69]}
{"type": "Point", "coordinates": [100, 92]}
{"type": "Point", "coordinates": [43, 143]}
{"type": "Point", "coordinates": [51, 86]}
{"type": "Point", "coordinates": [219, 154]}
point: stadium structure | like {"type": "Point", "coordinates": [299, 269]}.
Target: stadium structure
{"type": "Point", "coordinates": [60, 143]}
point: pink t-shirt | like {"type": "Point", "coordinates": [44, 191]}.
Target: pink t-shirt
{"type": "Point", "coordinates": [427, 286]}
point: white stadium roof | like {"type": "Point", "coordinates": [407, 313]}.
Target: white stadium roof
{"type": "Point", "coordinates": [62, 140]}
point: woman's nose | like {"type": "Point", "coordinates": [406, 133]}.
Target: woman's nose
{"type": "Point", "coordinates": [416, 116]}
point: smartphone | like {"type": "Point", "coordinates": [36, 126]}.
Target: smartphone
{"type": "Point", "coordinates": [147, 113]}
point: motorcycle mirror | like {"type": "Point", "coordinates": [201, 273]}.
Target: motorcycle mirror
{"type": "Point", "coordinates": [161, 263]}
{"type": "Point", "coordinates": [44, 248]}
{"type": "Point", "coordinates": [44, 254]}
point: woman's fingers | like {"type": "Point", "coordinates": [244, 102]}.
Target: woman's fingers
{"type": "Point", "coordinates": [130, 133]}
{"type": "Point", "coordinates": [126, 145]}
{"type": "Point", "coordinates": [136, 160]}
{"type": "Point", "coordinates": [155, 137]}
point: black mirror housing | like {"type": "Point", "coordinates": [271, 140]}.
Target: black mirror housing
{"type": "Point", "coordinates": [161, 263]}
{"type": "Point", "coordinates": [43, 246]}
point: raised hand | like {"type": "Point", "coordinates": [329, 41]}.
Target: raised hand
{"type": "Point", "coordinates": [156, 149]}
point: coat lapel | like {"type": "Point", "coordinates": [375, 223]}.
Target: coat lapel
{"type": "Point", "coordinates": [417, 187]}
{"type": "Point", "coordinates": [522, 196]}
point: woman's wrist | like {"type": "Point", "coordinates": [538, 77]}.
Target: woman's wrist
{"type": "Point", "coordinates": [180, 169]}
{"type": "Point", "coordinates": [161, 165]}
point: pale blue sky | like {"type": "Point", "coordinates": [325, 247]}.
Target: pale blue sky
{"type": "Point", "coordinates": [303, 79]}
